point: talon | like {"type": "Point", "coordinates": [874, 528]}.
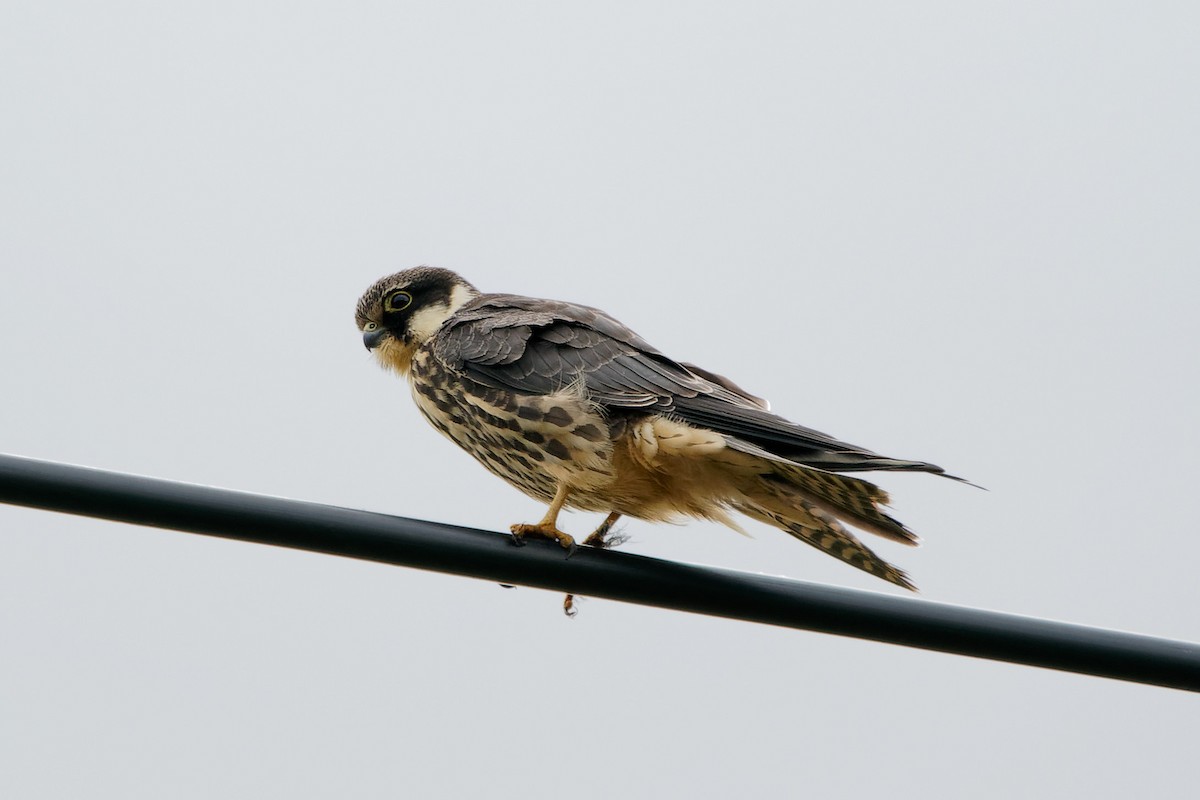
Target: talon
{"type": "Point", "coordinates": [569, 608]}
{"type": "Point", "coordinates": [520, 530]}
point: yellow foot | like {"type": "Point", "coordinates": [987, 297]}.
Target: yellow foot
{"type": "Point", "coordinates": [521, 530]}
{"type": "Point", "coordinates": [599, 539]}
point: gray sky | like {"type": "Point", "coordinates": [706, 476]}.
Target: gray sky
{"type": "Point", "coordinates": [965, 233]}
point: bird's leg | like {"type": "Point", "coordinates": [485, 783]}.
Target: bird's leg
{"type": "Point", "coordinates": [597, 538]}
{"type": "Point", "coordinates": [548, 527]}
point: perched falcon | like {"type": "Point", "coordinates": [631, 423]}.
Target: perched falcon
{"type": "Point", "coordinates": [576, 410]}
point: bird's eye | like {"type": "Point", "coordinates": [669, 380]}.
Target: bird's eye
{"type": "Point", "coordinates": [370, 326]}
{"type": "Point", "coordinates": [397, 301]}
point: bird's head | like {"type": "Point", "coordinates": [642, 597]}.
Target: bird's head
{"type": "Point", "coordinates": [400, 312]}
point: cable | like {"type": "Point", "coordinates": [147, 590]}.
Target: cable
{"type": "Point", "coordinates": [599, 573]}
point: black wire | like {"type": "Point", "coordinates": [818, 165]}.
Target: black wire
{"type": "Point", "coordinates": [597, 573]}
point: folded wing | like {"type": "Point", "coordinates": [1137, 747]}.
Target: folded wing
{"type": "Point", "coordinates": [541, 347]}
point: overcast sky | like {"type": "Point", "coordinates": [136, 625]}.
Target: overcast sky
{"type": "Point", "coordinates": [958, 232]}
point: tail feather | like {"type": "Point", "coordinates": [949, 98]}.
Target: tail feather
{"type": "Point", "coordinates": [815, 506]}
{"type": "Point", "coordinates": [812, 525]}
{"type": "Point", "coordinates": [852, 499]}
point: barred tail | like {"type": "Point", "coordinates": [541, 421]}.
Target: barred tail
{"type": "Point", "coordinates": [812, 505]}
{"type": "Point", "coordinates": [811, 524]}
{"type": "Point", "coordinates": [850, 499]}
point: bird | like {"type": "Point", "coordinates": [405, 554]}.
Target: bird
{"type": "Point", "coordinates": [576, 410]}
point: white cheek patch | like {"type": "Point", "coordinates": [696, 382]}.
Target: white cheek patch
{"type": "Point", "coordinates": [460, 296]}
{"type": "Point", "coordinates": [425, 322]}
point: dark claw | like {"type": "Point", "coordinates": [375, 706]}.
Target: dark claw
{"type": "Point", "coordinates": [517, 540]}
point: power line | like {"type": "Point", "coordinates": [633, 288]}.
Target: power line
{"type": "Point", "coordinates": [613, 575]}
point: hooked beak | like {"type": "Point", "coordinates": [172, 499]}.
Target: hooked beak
{"type": "Point", "coordinates": [371, 339]}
